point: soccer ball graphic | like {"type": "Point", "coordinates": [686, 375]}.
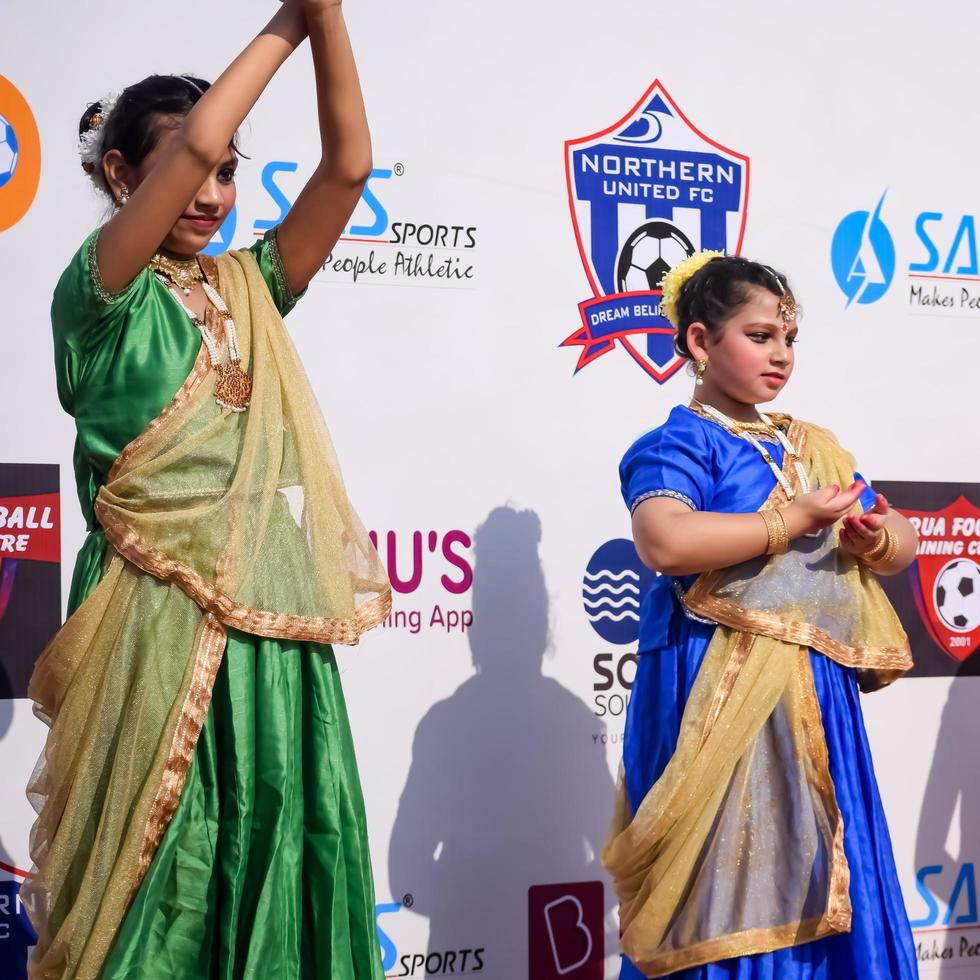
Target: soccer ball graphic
{"type": "Point", "coordinates": [957, 595]}
{"type": "Point", "coordinates": [8, 151]}
{"type": "Point", "coordinates": [650, 252]}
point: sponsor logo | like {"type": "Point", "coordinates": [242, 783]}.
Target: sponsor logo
{"type": "Point", "coordinates": [942, 261]}
{"type": "Point", "coordinates": [946, 577]}
{"type": "Point", "coordinates": [565, 931]}
{"type": "Point", "coordinates": [645, 193]}
{"type": "Point", "coordinates": [442, 560]}
{"type": "Point", "coordinates": [384, 243]}
{"type": "Point", "coordinates": [613, 587]}
{"type": "Point", "coordinates": [614, 675]}
{"type": "Point", "coordinates": [949, 895]}
{"type": "Point", "coordinates": [30, 573]}
{"type": "Point", "coordinates": [615, 582]}
{"type": "Point", "coordinates": [937, 598]}
{"type": "Point", "coordinates": [949, 920]}
{"type": "Point", "coordinates": [16, 933]}
{"type": "Point", "coordinates": [434, 963]}
{"type": "Point", "coordinates": [862, 255]}
{"type": "Point", "coordinates": [20, 155]}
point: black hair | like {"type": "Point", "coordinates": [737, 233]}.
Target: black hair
{"type": "Point", "coordinates": [133, 126]}
{"type": "Point", "coordinates": [718, 290]}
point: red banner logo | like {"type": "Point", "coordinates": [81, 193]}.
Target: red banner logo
{"type": "Point", "coordinates": [946, 575]}
{"type": "Point", "coordinates": [30, 528]}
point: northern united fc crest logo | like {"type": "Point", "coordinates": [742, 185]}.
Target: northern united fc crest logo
{"type": "Point", "coordinates": [645, 193]}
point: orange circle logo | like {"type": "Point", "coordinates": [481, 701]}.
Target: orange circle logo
{"type": "Point", "coordinates": [20, 155]}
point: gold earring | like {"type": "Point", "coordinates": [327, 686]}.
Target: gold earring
{"type": "Point", "coordinates": [123, 195]}
{"type": "Point", "coordinates": [699, 370]}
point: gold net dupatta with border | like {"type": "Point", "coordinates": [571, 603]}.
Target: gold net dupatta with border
{"type": "Point", "coordinates": [215, 519]}
{"type": "Point", "coordinates": [738, 848]}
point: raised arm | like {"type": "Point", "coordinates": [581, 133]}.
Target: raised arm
{"type": "Point", "coordinates": [314, 223]}
{"type": "Point", "coordinates": [675, 540]}
{"type": "Point", "coordinates": [185, 160]}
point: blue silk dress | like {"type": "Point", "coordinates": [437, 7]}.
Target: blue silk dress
{"type": "Point", "coordinates": [695, 460]}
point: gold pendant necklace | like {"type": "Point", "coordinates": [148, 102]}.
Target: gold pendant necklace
{"type": "Point", "coordinates": [233, 387]}
{"type": "Point", "coordinates": [185, 274]}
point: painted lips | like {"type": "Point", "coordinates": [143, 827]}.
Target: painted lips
{"type": "Point", "coordinates": [203, 223]}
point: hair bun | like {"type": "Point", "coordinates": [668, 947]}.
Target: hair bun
{"type": "Point", "coordinates": [89, 120]}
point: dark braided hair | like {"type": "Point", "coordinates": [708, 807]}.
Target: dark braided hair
{"type": "Point", "coordinates": [134, 125]}
{"type": "Point", "coordinates": [717, 291]}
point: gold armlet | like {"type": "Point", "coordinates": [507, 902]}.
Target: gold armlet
{"type": "Point", "coordinates": [776, 529]}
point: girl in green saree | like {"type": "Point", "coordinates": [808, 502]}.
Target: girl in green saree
{"type": "Point", "coordinates": [199, 809]}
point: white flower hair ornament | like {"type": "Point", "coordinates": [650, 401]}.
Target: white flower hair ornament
{"type": "Point", "coordinates": [90, 142]}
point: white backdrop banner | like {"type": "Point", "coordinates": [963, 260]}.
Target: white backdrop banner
{"type": "Point", "coordinates": [537, 165]}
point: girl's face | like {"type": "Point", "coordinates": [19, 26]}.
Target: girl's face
{"type": "Point", "coordinates": [752, 360]}
{"type": "Point", "coordinates": [206, 211]}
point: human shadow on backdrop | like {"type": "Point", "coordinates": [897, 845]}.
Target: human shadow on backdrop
{"type": "Point", "coordinates": [506, 787]}
{"type": "Point", "coordinates": [951, 878]}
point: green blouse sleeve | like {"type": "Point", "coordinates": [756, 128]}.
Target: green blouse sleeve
{"type": "Point", "coordinates": [267, 255]}
{"type": "Point", "coordinates": [84, 315]}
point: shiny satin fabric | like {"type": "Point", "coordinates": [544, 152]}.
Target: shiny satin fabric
{"type": "Point", "coordinates": [120, 358]}
{"type": "Point", "coordinates": [223, 503]}
{"type": "Point", "coordinates": [703, 870]}
{"type": "Point", "coordinates": [126, 684]}
{"type": "Point", "coordinates": [264, 870]}
{"type": "Point", "coordinates": [265, 865]}
{"type": "Point", "coordinates": [879, 945]}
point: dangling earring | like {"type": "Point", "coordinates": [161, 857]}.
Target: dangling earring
{"type": "Point", "coordinates": [123, 195]}
{"type": "Point", "coordinates": [702, 366]}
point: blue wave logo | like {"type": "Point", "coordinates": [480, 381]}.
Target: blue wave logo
{"type": "Point", "coordinates": [862, 256]}
{"type": "Point", "coordinates": [614, 584]}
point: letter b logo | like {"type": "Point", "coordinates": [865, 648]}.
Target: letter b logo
{"type": "Point", "coordinates": [565, 931]}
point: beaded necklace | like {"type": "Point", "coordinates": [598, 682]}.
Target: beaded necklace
{"type": "Point", "coordinates": [233, 389]}
{"type": "Point", "coordinates": [742, 430]}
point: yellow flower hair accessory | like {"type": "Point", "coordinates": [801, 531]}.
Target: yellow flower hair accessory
{"type": "Point", "coordinates": [673, 281]}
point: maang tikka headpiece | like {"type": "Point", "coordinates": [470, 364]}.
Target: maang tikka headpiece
{"type": "Point", "coordinates": [789, 309]}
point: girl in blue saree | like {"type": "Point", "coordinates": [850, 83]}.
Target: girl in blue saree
{"type": "Point", "coordinates": [750, 841]}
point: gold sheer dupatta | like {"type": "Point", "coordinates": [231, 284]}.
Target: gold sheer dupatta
{"type": "Point", "coordinates": [738, 848]}
{"type": "Point", "coordinates": [215, 519]}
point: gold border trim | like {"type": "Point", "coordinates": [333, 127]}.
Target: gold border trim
{"type": "Point", "coordinates": [281, 626]}
{"type": "Point", "coordinates": [836, 918]}
{"type": "Point", "coordinates": [207, 660]}
{"type": "Point", "coordinates": [748, 943]}
{"type": "Point", "coordinates": [726, 684]}
{"type": "Point", "coordinates": [700, 600]}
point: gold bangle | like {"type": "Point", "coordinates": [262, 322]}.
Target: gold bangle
{"type": "Point", "coordinates": [877, 551]}
{"type": "Point", "coordinates": [776, 529]}
{"type": "Point", "coordinates": [884, 553]}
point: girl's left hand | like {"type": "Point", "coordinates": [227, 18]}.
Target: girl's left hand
{"type": "Point", "coordinates": [861, 533]}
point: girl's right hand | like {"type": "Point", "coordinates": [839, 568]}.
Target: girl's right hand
{"type": "Point", "coordinates": [821, 508]}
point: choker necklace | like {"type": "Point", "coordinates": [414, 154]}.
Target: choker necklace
{"type": "Point", "coordinates": [185, 274]}
{"type": "Point", "coordinates": [765, 424]}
